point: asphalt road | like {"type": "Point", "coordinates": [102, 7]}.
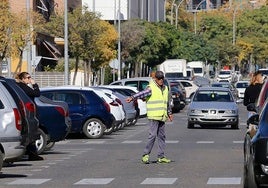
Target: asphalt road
{"type": "Point", "coordinates": [202, 158]}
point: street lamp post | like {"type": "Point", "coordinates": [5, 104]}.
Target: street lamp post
{"type": "Point", "coordinates": [195, 12]}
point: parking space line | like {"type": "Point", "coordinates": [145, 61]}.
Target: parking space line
{"type": "Point", "coordinates": [94, 181]}
{"type": "Point", "coordinates": [131, 142]}
{"type": "Point", "coordinates": [205, 142]}
{"type": "Point", "coordinates": [172, 141]}
{"type": "Point", "coordinates": [159, 181]}
{"type": "Point", "coordinates": [238, 142]}
{"type": "Point", "coordinates": [28, 181]}
{"type": "Point", "coordinates": [224, 181]}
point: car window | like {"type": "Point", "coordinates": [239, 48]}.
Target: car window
{"type": "Point", "coordinates": [69, 98]}
{"type": "Point", "coordinates": [132, 83]}
{"type": "Point", "coordinates": [209, 96]}
{"type": "Point", "coordinates": [117, 83]}
{"type": "Point", "coordinates": [241, 85]}
{"type": "Point", "coordinates": [186, 84]}
{"type": "Point", "coordinates": [143, 85]}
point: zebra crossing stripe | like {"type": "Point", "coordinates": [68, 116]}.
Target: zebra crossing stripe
{"type": "Point", "coordinates": [224, 181]}
{"type": "Point", "coordinates": [25, 181]}
{"type": "Point", "coordinates": [94, 181]}
{"type": "Point", "coordinates": [159, 181]}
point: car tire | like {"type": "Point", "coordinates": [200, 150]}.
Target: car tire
{"type": "Point", "coordinates": [1, 159]}
{"type": "Point", "coordinates": [49, 146]}
{"type": "Point", "coordinates": [93, 128]}
{"type": "Point", "coordinates": [109, 131]}
{"type": "Point", "coordinates": [190, 125]}
{"type": "Point", "coordinates": [41, 142]}
{"type": "Point", "coordinates": [249, 176]}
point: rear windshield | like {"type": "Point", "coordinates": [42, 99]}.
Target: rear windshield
{"type": "Point", "coordinates": [217, 96]}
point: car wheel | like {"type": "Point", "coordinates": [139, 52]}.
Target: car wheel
{"type": "Point", "coordinates": [49, 146]}
{"type": "Point", "coordinates": [109, 131]}
{"type": "Point", "coordinates": [249, 175]}
{"type": "Point", "coordinates": [190, 125]}
{"type": "Point", "coordinates": [93, 128]}
{"type": "Point", "coordinates": [41, 142]}
{"type": "Point", "coordinates": [1, 159]}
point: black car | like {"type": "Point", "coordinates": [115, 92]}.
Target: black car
{"type": "Point", "coordinates": [256, 150]}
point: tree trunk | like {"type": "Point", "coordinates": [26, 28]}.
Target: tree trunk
{"type": "Point", "coordinates": [75, 69]}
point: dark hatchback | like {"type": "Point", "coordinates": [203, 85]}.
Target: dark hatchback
{"type": "Point", "coordinates": [256, 150]}
{"type": "Point", "coordinates": [89, 113]}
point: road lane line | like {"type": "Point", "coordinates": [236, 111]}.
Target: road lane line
{"type": "Point", "coordinates": [94, 181]}
{"type": "Point", "coordinates": [159, 181]}
{"type": "Point", "coordinates": [224, 181]}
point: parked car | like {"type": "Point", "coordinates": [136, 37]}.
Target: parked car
{"type": "Point", "coordinates": [56, 127]}
{"type": "Point", "coordinates": [241, 87]}
{"type": "Point", "coordinates": [255, 150]}
{"type": "Point", "coordinates": [127, 91]}
{"type": "Point", "coordinates": [116, 108]}
{"type": "Point", "coordinates": [227, 85]}
{"type": "Point", "coordinates": [213, 106]}
{"type": "Point", "coordinates": [36, 126]}
{"type": "Point", "coordinates": [131, 109]}
{"type": "Point", "coordinates": [190, 87]}
{"type": "Point", "coordinates": [10, 128]}
{"type": "Point", "coordinates": [181, 91]}
{"type": "Point", "coordinates": [27, 110]}
{"type": "Point", "coordinates": [89, 113]}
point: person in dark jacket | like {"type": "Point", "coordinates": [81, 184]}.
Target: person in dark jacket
{"type": "Point", "coordinates": [27, 84]}
{"type": "Point", "coordinates": [252, 92]}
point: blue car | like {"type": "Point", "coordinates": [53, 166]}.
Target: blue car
{"type": "Point", "coordinates": [256, 149]}
{"type": "Point", "coordinates": [89, 113]}
{"type": "Point", "coordinates": [54, 122]}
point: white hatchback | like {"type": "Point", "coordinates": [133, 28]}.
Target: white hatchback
{"type": "Point", "coordinates": [116, 108]}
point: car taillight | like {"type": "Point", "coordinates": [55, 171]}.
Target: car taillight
{"type": "Point", "coordinates": [60, 110]}
{"type": "Point", "coordinates": [114, 103]}
{"type": "Point", "coordinates": [22, 107]}
{"type": "Point", "coordinates": [118, 101]}
{"type": "Point", "coordinates": [106, 105]}
{"type": "Point", "coordinates": [17, 119]}
{"type": "Point", "coordinates": [30, 106]}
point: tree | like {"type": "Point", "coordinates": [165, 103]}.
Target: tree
{"type": "Point", "coordinates": [5, 31]}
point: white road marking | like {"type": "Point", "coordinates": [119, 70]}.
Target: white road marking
{"type": "Point", "coordinates": [28, 181]}
{"type": "Point", "coordinates": [238, 142]}
{"type": "Point", "coordinates": [172, 141]}
{"type": "Point", "coordinates": [205, 142]}
{"type": "Point", "coordinates": [95, 142]}
{"type": "Point", "coordinates": [94, 181]}
{"type": "Point", "coordinates": [131, 142]}
{"type": "Point", "coordinates": [224, 181]}
{"type": "Point", "coordinates": [159, 181]}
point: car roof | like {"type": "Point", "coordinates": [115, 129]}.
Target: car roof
{"type": "Point", "coordinates": [213, 88]}
{"type": "Point", "coordinates": [68, 87]}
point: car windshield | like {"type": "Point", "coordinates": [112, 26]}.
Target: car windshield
{"type": "Point", "coordinates": [213, 96]}
{"type": "Point", "coordinates": [225, 72]}
{"type": "Point", "coordinates": [220, 85]}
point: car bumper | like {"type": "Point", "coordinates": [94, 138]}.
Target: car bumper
{"type": "Point", "coordinates": [202, 120]}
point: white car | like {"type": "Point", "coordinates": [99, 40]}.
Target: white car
{"type": "Point", "coordinates": [116, 108]}
{"type": "Point", "coordinates": [226, 76]}
{"type": "Point", "coordinates": [132, 90]}
{"type": "Point", "coordinates": [241, 87]}
{"type": "Point", "coordinates": [190, 87]}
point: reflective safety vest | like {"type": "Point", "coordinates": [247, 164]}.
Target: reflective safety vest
{"type": "Point", "coordinates": [157, 103]}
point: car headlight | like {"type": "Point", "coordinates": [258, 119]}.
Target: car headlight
{"type": "Point", "coordinates": [230, 111]}
{"type": "Point", "coordinates": [195, 111]}
{"type": "Point", "coordinates": [264, 168]}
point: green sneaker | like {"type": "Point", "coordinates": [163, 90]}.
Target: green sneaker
{"type": "Point", "coordinates": [163, 160]}
{"type": "Point", "coordinates": [145, 159]}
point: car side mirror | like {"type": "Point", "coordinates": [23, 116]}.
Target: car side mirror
{"type": "Point", "coordinates": [251, 107]}
{"type": "Point", "coordinates": [254, 119]}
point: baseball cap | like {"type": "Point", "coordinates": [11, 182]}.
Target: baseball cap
{"type": "Point", "coordinates": [159, 75]}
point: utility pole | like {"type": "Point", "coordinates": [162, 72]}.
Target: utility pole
{"type": "Point", "coordinates": [119, 41]}
{"type": "Point", "coordinates": [66, 56]}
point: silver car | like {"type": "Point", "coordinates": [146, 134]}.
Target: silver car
{"type": "Point", "coordinates": [214, 106]}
